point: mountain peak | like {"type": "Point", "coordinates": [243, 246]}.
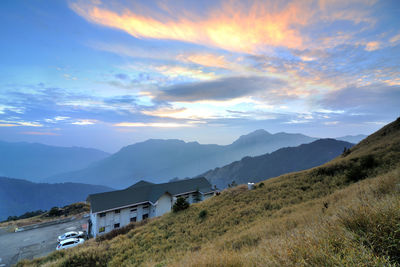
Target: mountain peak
{"type": "Point", "coordinates": [252, 137]}
{"type": "Point", "coordinates": [258, 132]}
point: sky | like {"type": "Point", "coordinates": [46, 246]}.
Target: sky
{"type": "Point", "coordinates": [106, 74]}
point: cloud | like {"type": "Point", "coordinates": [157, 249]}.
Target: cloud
{"type": "Point", "coordinates": [13, 123]}
{"type": "Point", "coordinates": [331, 123]}
{"type": "Point", "coordinates": [206, 59]}
{"type": "Point", "coordinates": [5, 108]}
{"type": "Point", "coordinates": [181, 71]}
{"type": "Point", "coordinates": [153, 124]}
{"type": "Point", "coordinates": [8, 124]}
{"type": "Point", "coordinates": [189, 113]}
{"type": "Point", "coordinates": [56, 119]}
{"type": "Point", "coordinates": [372, 99]}
{"type": "Point", "coordinates": [223, 89]}
{"type": "Point", "coordinates": [371, 46]}
{"type": "Point", "coordinates": [84, 122]}
{"type": "Point", "coordinates": [395, 38]}
{"type": "Point", "coordinates": [40, 133]}
{"type": "Point", "coordinates": [234, 26]}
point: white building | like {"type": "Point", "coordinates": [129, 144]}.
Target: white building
{"type": "Point", "coordinates": [111, 210]}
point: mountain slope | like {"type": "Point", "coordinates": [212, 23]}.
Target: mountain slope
{"type": "Point", "coordinates": [161, 160]}
{"type": "Point", "coordinates": [37, 161]}
{"type": "Point", "coordinates": [284, 160]}
{"type": "Point", "coordinates": [19, 196]}
{"type": "Point", "coordinates": [325, 216]}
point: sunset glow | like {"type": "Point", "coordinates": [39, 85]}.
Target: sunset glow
{"type": "Point", "coordinates": [83, 72]}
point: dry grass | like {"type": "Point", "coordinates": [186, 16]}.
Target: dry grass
{"type": "Point", "coordinates": [318, 217]}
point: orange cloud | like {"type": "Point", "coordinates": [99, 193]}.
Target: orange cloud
{"type": "Point", "coordinates": [371, 46]}
{"type": "Point", "coordinates": [234, 27]}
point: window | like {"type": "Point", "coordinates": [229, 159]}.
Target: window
{"type": "Point", "coordinates": [134, 210]}
{"type": "Point", "coordinates": [102, 229]}
{"type": "Point", "coordinates": [103, 214]}
{"type": "Point", "coordinates": [133, 219]}
{"type": "Point", "coordinates": [117, 211]}
{"type": "Point", "coordinates": [145, 216]}
{"type": "Point", "coordinates": [68, 243]}
{"type": "Point", "coordinates": [146, 206]}
{"type": "Point", "coordinates": [116, 225]}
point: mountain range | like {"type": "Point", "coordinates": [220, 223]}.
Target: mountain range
{"type": "Point", "coordinates": [281, 161]}
{"type": "Point", "coordinates": [35, 162]}
{"type": "Point", "coordinates": [160, 160]}
{"type": "Point", "coordinates": [343, 213]}
{"type": "Point", "coordinates": [154, 160]}
{"type": "Point", "coordinates": [18, 196]}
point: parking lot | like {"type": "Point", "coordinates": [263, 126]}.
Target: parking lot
{"type": "Point", "coordinates": [33, 243]}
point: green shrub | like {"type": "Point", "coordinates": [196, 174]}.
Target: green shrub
{"type": "Point", "coordinates": [269, 206]}
{"type": "Point", "coordinates": [180, 204]}
{"type": "Point", "coordinates": [346, 151]}
{"type": "Point", "coordinates": [202, 214]}
{"type": "Point", "coordinates": [55, 211]}
{"type": "Point", "coordinates": [355, 173]}
{"type": "Point", "coordinates": [329, 170]}
{"type": "Point", "coordinates": [367, 162]}
{"type": "Point", "coordinates": [197, 196]}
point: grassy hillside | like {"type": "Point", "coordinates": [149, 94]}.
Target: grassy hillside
{"type": "Point", "coordinates": [346, 212]}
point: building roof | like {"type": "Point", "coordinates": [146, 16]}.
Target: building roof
{"type": "Point", "coordinates": [144, 191]}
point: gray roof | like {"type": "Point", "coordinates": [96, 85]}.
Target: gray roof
{"type": "Point", "coordinates": [144, 191]}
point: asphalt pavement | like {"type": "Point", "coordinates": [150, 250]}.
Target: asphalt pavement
{"type": "Point", "coordinates": [34, 243]}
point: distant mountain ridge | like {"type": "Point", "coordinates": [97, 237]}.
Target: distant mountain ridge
{"type": "Point", "coordinates": [35, 162]}
{"type": "Point", "coordinates": [18, 196]}
{"type": "Point", "coordinates": [284, 160]}
{"type": "Point", "coordinates": [355, 139]}
{"type": "Point", "coordinates": [158, 160]}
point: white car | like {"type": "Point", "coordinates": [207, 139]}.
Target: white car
{"type": "Point", "coordinates": [70, 243]}
{"type": "Point", "coordinates": [72, 234]}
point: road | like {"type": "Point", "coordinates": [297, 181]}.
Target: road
{"type": "Point", "coordinates": [33, 243]}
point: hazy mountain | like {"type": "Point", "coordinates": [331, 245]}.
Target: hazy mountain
{"type": "Point", "coordinates": [355, 139]}
{"type": "Point", "coordinates": [19, 196]}
{"type": "Point", "coordinates": [34, 161]}
{"type": "Point", "coordinates": [161, 160]}
{"type": "Point", "coordinates": [260, 142]}
{"type": "Point", "coordinates": [284, 160]}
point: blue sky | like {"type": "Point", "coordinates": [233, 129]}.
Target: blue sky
{"type": "Point", "coordinates": [106, 74]}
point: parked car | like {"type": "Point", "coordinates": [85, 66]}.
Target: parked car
{"type": "Point", "coordinates": [70, 243]}
{"type": "Point", "coordinates": [72, 234]}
